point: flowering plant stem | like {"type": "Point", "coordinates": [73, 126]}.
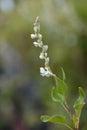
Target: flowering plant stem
{"type": "Point", "coordinates": [58, 92]}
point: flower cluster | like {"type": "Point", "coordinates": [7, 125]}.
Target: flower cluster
{"type": "Point", "coordinates": [44, 71]}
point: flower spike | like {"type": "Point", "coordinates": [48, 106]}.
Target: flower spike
{"type": "Point", "coordinates": [44, 71]}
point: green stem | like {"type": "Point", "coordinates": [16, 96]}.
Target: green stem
{"type": "Point", "coordinates": [65, 105]}
{"type": "Point", "coordinates": [68, 111]}
{"type": "Point", "coordinates": [69, 127]}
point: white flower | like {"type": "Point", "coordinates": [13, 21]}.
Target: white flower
{"type": "Point", "coordinates": [40, 36]}
{"type": "Point", "coordinates": [33, 36]}
{"type": "Point", "coordinates": [45, 48]}
{"type": "Point", "coordinates": [45, 72]}
{"type": "Point", "coordinates": [40, 43]}
{"type": "Point", "coordinates": [36, 44]}
{"type": "Point", "coordinates": [45, 54]}
{"type": "Point", "coordinates": [47, 61]}
{"type": "Point", "coordinates": [41, 55]}
{"type": "Point", "coordinates": [42, 71]}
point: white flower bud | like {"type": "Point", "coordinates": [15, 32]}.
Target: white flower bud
{"type": "Point", "coordinates": [40, 43]}
{"type": "Point", "coordinates": [40, 36]}
{"type": "Point", "coordinates": [48, 72]}
{"type": "Point", "coordinates": [37, 28]}
{"type": "Point", "coordinates": [45, 72]}
{"type": "Point", "coordinates": [45, 54]}
{"type": "Point", "coordinates": [33, 36]}
{"type": "Point", "coordinates": [41, 55]}
{"type": "Point", "coordinates": [36, 44]}
{"type": "Point", "coordinates": [45, 48]}
{"type": "Point", "coordinates": [42, 71]}
{"type": "Point", "coordinates": [47, 61]}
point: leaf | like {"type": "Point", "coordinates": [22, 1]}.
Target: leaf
{"type": "Point", "coordinates": [81, 92]}
{"type": "Point", "coordinates": [80, 101]}
{"type": "Point", "coordinates": [54, 119]}
{"type": "Point", "coordinates": [63, 74]}
{"type": "Point", "coordinates": [60, 85]}
{"type": "Point", "coordinates": [78, 105]}
{"type": "Point", "coordinates": [57, 97]}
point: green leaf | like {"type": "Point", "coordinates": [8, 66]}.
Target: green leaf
{"type": "Point", "coordinates": [63, 74]}
{"type": "Point", "coordinates": [54, 119]}
{"type": "Point", "coordinates": [80, 101]}
{"type": "Point", "coordinates": [78, 107]}
{"type": "Point", "coordinates": [57, 97]}
{"type": "Point", "coordinates": [60, 85]}
{"type": "Point", "coordinates": [81, 92]}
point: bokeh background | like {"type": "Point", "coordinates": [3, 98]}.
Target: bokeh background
{"type": "Point", "coordinates": [24, 94]}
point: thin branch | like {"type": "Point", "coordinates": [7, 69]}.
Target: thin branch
{"type": "Point", "coordinates": [69, 127]}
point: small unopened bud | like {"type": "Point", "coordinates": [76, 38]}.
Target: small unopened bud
{"type": "Point", "coordinates": [45, 48]}
{"type": "Point", "coordinates": [36, 44]}
{"type": "Point", "coordinates": [47, 61]}
{"type": "Point", "coordinates": [37, 28]}
{"type": "Point", "coordinates": [33, 36]}
{"type": "Point", "coordinates": [42, 56]}
{"type": "Point", "coordinates": [40, 36]}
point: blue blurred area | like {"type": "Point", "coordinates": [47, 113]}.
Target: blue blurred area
{"type": "Point", "coordinates": [24, 94]}
{"type": "Point", "coordinates": [7, 5]}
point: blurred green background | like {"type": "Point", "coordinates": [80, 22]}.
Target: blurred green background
{"type": "Point", "coordinates": [24, 94]}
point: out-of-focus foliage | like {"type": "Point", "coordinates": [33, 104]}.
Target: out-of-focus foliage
{"type": "Point", "coordinates": [22, 90]}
